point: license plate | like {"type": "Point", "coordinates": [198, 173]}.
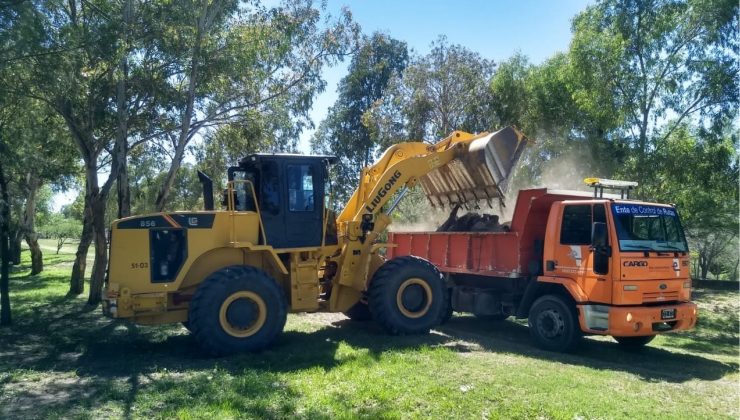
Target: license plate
{"type": "Point", "coordinates": [668, 313]}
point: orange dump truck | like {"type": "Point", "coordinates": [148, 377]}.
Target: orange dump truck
{"type": "Point", "coordinates": [573, 263]}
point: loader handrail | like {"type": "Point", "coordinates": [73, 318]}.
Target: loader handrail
{"type": "Point", "coordinates": [231, 205]}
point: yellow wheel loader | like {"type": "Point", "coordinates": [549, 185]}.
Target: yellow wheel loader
{"type": "Point", "coordinates": [232, 275]}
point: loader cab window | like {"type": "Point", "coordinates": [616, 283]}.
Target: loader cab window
{"type": "Point", "coordinates": [576, 227]}
{"type": "Point", "coordinates": [243, 197]}
{"type": "Point", "coordinates": [300, 188]}
{"type": "Point", "coordinates": [270, 189]}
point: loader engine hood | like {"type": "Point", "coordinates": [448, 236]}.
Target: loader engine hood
{"type": "Point", "coordinates": [481, 174]}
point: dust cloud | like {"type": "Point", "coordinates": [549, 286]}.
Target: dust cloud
{"type": "Point", "coordinates": [564, 172]}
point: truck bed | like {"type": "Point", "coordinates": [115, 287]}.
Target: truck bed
{"type": "Point", "coordinates": [481, 253]}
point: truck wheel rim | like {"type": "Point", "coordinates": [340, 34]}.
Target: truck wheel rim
{"type": "Point", "coordinates": [242, 314]}
{"type": "Point", "coordinates": [550, 324]}
{"type": "Point", "coordinates": [414, 297]}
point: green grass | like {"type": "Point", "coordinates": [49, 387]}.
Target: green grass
{"type": "Point", "coordinates": [61, 359]}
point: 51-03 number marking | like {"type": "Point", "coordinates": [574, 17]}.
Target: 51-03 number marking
{"type": "Point", "coordinates": [139, 265]}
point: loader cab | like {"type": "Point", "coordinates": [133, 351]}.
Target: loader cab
{"type": "Point", "coordinates": [290, 191]}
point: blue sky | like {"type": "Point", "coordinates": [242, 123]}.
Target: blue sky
{"type": "Point", "coordinates": [495, 29]}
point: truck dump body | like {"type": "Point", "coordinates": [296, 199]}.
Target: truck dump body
{"type": "Point", "coordinates": [496, 254]}
{"type": "Point", "coordinates": [488, 254]}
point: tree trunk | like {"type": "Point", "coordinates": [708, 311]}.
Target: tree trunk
{"type": "Point", "coordinates": [37, 257]}
{"type": "Point", "coordinates": [185, 135]}
{"type": "Point", "coordinates": [124, 191]}
{"type": "Point", "coordinates": [101, 251]}
{"type": "Point", "coordinates": [16, 239]}
{"type": "Point", "coordinates": [5, 318]}
{"type": "Point", "coordinates": [704, 268]}
{"type": "Point", "coordinates": [29, 226]}
{"type": "Point", "coordinates": [77, 280]}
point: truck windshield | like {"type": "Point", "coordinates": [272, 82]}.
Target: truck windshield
{"type": "Point", "coordinates": [648, 228]}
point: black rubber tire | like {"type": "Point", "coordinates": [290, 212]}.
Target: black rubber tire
{"type": "Point", "coordinates": [553, 324]}
{"type": "Point", "coordinates": [634, 343]}
{"type": "Point", "coordinates": [204, 313]}
{"type": "Point", "coordinates": [359, 312]}
{"type": "Point", "coordinates": [385, 285]}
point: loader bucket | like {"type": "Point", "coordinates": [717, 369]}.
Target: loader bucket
{"type": "Point", "coordinates": [480, 173]}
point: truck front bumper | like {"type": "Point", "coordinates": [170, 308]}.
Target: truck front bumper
{"type": "Point", "coordinates": [629, 321]}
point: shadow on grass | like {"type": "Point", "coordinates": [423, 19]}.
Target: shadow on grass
{"type": "Point", "coordinates": [95, 362]}
{"type": "Point", "coordinates": [651, 363]}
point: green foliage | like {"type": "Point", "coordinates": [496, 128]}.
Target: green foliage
{"type": "Point", "coordinates": [346, 132]}
{"type": "Point", "coordinates": [63, 230]}
{"type": "Point", "coordinates": [639, 63]}
{"type": "Point", "coordinates": [446, 90]}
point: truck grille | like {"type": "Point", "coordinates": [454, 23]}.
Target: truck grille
{"type": "Point", "coordinates": [659, 296]}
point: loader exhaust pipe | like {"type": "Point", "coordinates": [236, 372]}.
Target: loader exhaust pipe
{"type": "Point", "coordinates": [207, 190]}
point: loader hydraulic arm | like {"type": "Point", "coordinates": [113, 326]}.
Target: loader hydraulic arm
{"type": "Point", "coordinates": [400, 166]}
{"type": "Point", "coordinates": [459, 169]}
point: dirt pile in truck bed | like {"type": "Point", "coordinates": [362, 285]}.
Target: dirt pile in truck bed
{"type": "Point", "coordinates": [472, 222]}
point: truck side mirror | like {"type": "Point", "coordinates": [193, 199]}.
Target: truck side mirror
{"type": "Point", "coordinates": [599, 235]}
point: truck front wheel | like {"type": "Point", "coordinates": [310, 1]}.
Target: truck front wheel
{"type": "Point", "coordinates": [553, 324]}
{"type": "Point", "coordinates": [407, 295]}
{"type": "Point", "coordinates": [237, 308]}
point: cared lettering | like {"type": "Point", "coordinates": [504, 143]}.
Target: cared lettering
{"type": "Point", "coordinates": [383, 192]}
{"type": "Point", "coordinates": [635, 264]}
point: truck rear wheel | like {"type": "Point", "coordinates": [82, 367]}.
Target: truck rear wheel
{"type": "Point", "coordinates": [407, 295]}
{"type": "Point", "coordinates": [634, 343]}
{"type": "Point", "coordinates": [553, 324]}
{"type": "Point", "coordinates": [237, 308]}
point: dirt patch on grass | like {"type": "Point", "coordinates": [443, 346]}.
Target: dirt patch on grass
{"type": "Point", "coordinates": [27, 399]}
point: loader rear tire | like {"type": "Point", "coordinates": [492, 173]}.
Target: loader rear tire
{"type": "Point", "coordinates": [236, 309]}
{"type": "Point", "coordinates": [407, 295]}
{"type": "Point", "coordinates": [359, 312]}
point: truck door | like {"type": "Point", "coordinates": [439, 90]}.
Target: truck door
{"type": "Point", "coordinates": [573, 255]}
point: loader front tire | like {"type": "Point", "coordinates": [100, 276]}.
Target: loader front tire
{"type": "Point", "coordinates": [359, 312]}
{"type": "Point", "coordinates": [236, 309]}
{"type": "Point", "coordinates": [407, 295]}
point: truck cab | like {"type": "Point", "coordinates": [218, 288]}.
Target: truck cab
{"type": "Point", "coordinates": [626, 264]}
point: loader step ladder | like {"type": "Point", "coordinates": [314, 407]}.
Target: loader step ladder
{"type": "Point", "coordinates": [600, 184]}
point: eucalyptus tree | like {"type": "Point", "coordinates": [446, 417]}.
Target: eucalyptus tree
{"type": "Point", "coordinates": [227, 60]}
{"type": "Point", "coordinates": [346, 132]}
{"type": "Point", "coordinates": [447, 90]}
{"type": "Point", "coordinates": [656, 64]}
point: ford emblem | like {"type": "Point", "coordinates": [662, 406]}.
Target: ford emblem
{"type": "Point", "coordinates": [663, 286]}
